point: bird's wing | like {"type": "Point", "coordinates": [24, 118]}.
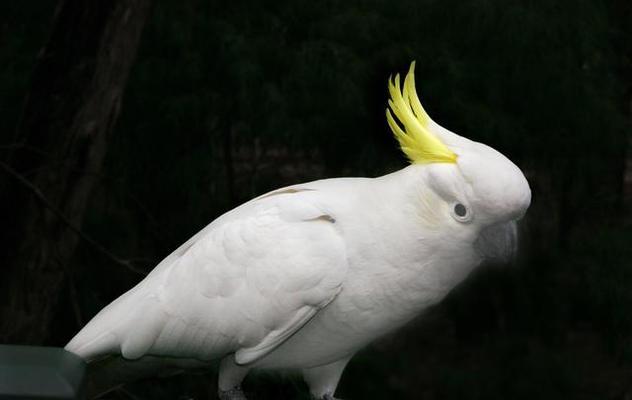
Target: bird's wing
{"type": "Point", "coordinates": [245, 284]}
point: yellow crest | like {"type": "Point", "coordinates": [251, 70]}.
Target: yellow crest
{"type": "Point", "coordinates": [419, 144]}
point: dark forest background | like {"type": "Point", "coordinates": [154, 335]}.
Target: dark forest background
{"type": "Point", "coordinates": [126, 126]}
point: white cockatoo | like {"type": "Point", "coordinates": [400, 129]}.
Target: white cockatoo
{"type": "Point", "coordinates": [305, 276]}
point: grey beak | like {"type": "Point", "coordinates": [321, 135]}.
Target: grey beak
{"type": "Point", "coordinates": [498, 243]}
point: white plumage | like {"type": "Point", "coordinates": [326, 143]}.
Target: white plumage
{"type": "Point", "coordinates": [305, 276]}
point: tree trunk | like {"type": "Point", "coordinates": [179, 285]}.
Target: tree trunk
{"type": "Point", "coordinates": [73, 103]}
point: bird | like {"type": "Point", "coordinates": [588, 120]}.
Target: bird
{"type": "Point", "coordinates": [305, 276]}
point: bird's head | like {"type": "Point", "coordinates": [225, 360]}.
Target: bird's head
{"type": "Point", "coordinates": [470, 189]}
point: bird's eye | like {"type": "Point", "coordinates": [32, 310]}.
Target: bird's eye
{"type": "Point", "coordinates": [460, 212]}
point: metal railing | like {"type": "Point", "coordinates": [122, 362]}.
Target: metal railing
{"type": "Point", "coordinates": [28, 372]}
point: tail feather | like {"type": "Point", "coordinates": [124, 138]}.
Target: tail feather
{"type": "Point", "coordinates": [128, 326]}
{"type": "Point", "coordinates": [120, 343]}
{"type": "Point", "coordinates": [90, 345]}
{"type": "Point", "coordinates": [116, 341]}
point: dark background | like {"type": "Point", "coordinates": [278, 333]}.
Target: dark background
{"type": "Point", "coordinates": [225, 101]}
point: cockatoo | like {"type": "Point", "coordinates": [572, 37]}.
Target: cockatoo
{"type": "Point", "coordinates": [305, 276]}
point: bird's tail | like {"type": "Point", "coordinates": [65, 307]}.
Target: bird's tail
{"type": "Point", "coordinates": [99, 337]}
{"type": "Point", "coordinates": [116, 343]}
{"type": "Point", "coordinates": [129, 326]}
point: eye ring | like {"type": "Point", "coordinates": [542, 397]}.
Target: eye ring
{"type": "Point", "coordinates": [461, 212]}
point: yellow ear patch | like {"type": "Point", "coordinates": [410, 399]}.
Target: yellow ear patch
{"type": "Point", "coordinates": [419, 144]}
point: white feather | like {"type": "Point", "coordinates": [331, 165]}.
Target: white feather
{"type": "Point", "coordinates": [305, 276]}
{"type": "Point", "coordinates": [244, 284]}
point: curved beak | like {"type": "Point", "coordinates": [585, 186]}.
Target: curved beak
{"type": "Point", "coordinates": [498, 243]}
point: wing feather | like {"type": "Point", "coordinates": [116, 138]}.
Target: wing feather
{"type": "Point", "coordinates": [244, 284]}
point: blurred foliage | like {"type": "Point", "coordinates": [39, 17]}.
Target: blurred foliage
{"type": "Point", "coordinates": [229, 100]}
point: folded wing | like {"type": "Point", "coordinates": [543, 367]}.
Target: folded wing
{"type": "Point", "coordinates": [244, 284]}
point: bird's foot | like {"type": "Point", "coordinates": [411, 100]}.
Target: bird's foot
{"type": "Point", "coordinates": [233, 394]}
